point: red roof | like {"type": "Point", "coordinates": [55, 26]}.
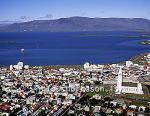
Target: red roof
{"type": "Point", "coordinates": [35, 107]}
{"type": "Point", "coordinates": [4, 107]}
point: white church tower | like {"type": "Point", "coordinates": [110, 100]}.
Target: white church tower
{"type": "Point", "coordinates": [127, 89]}
{"type": "Point", "coordinates": [139, 89]}
{"type": "Point", "coordinates": [119, 81]}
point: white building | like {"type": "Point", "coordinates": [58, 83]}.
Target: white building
{"type": "Point", "coordinates": [92, 67]}
{"type": "Point", "coordinates": [26, 66]}
{"type": "Point", "coordinates": [19, 66]}
{"type": "Point", "coordinates": [11, 67]}
{"type": "Point", "coordinates": [135, 88]}
{"type": "Point", "coordinates": [148, 58]}
{"type": "Point", "coordinates": [129, 63]}
{"type": "Point", "coordinates": [86, 65]}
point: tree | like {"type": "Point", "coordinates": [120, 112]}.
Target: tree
{"type": "Point", "coordinates": [147, 110]}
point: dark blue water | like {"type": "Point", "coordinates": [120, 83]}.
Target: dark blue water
{"type": "Point", "coordinates": [51, 48]}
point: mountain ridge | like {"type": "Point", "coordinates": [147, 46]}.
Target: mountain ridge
{"type": "Point", "coordinates": [80, 24]}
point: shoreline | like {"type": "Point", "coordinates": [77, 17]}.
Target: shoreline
{"type": "Point", "coordinates": [135, 59]}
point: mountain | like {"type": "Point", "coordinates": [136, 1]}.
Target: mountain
{"type": "Point", "coordinates": [2, 25]}
{"type": "Point", "coordinates": [81, 24]}
{"type": "Point", "coordinates": [6, 22]}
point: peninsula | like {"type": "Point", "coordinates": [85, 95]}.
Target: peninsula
{"type": "Point", "coordinates": [146, 42]}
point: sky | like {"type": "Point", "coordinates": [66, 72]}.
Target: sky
{"type": "Point", "coordinates": [54, 9]}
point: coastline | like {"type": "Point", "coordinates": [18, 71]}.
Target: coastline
{"type": "Point", "coordinates": [135, 59]}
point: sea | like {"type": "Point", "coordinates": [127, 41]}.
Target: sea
{"type": "Point", "coordinates": [70, 48]}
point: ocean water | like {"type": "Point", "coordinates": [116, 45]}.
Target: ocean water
{"type": "Point", "coordinates": [69, 48]}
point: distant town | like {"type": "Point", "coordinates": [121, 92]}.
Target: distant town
{"type": "Point", "coordinates": [120, 89]}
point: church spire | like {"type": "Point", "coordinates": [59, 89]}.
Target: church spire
{"type": "Point", "coordinates": [119, 81]}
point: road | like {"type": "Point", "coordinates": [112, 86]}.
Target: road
{"type": "Point", "coordinates": [71, 106]}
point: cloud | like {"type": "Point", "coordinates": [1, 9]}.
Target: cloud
{"type": "Point", "coordinates": [25, 18]}
{"type": "Point", "coordinates": [46, 17]}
